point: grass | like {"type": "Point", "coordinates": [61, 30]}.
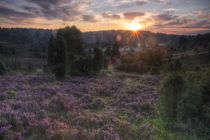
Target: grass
{"type": "Point", "coordinates": [114, 105]}
{"type": "Point", "coordinates": [107, 105]}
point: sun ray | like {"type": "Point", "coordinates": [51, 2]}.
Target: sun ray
{"type": "Point", "coordinates": [134, 26]}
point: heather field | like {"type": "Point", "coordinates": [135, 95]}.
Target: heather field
{"type": "Point", "coordinates": [104, 69]}
{"type": "Point", "coordinates": [114, 106]}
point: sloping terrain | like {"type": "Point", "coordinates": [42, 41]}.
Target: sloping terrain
{"type": "Point", "coordinates": [111, 107]}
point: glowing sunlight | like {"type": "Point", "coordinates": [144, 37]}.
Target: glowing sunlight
{"type": "Point", "coordinates": [134, 26]}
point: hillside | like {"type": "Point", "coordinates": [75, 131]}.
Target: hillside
{"type": "Point", "coordinates": [36, 40]}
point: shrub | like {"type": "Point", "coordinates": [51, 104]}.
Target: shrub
{"type": "Point", "coordinates": [2, 68]}
{"type": "Point", "coordinates": [98, 60]}
{"type": "Point", "coordinates": [148, 60]}
{"type": "Point", "coordinates": [83, 66]}
{"type": "Point", "coordinates": [115, 53]}
{"type": "Point", "coordinates": [205, 106]}
{"type": "Point", "coordinates": [174, 66]}
{"type": "Point", "coordinates": [97, 104]}
{"type": "Point", "coordinates": [13, 64]}
{"type": "Point", "coordinates": [190, 104]}
{"type": "Point", "coordinates": [185, 101]}
{"type": "Point", "coordinates": [171, 92]}
{"type": "Point", "coordinates": [89, 65]}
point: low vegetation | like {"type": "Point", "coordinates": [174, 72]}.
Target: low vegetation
{"type": "Point", "coordinates": [184, 104]}
{"type": "Point", "coordinates": [146, 61]}
{"type": "Point", "coordinates": [147, 95]}
{"type": "Point", "coordinates": [95, 108]}
{"type": "Point", "coordinates": [2, 69]}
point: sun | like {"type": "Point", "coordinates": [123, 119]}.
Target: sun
{"type": "Point", "coordinates": [134, 26]}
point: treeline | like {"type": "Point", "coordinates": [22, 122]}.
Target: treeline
{"type": "Point", "coordinates": [194, 42]}
{"type": "Point", "coordinates": [34, 37]}
{"type": "Point", "coordinates": [19, 41]}
{"type": "Point", "coordinates": [40, 37]}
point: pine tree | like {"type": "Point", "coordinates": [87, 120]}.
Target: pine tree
{"type": "Point", "coordinates": [183, 42]}
{"type": "Point", "coordinates": [57, 56]}
{"type": "Point", "coordinates": [74, 46]}
{"type": "Point", "coordinates": [51, 51]}
{"type": "Point", "coordinates": [98, 59]}
{"type": "Point", "coordinates": [115, 54]}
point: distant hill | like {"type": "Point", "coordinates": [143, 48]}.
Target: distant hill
{"type": "Point", "coordinates": [34, 42]}
{"type": "Point", "coordinates": [130, 38]}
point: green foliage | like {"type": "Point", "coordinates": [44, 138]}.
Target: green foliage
{"type": "Point", "coordinates": [186, 101]}
{"type": "Point", "coordinates": [190, 104]}
{"type": "Point", "coordinates": [115, 53]}
{"type": "Point", "coordinates": [97, 104]}
{"type": "Point", "coordinates": [89, 64]}
{"type": "Point", "coordinates": [98, 60]}
{"type": "Point", "coordinates": [147, 60]}
{"type": "Point", "coordinates": [74, 47]}
{"type": "Point", "coordinates": [66, 54]}
{"type": "Point", "coordinates": [171, 92]}
{"type": "Point", "coordinates": [183, 42]}
{"type": "Point", "coordinates": [174, 66]}
{"type": "Point", "coordinates": [205, 106]}
{"type": "Point", "coordinates": [2, 68]}
{"type": "Point", "coordinates": [57, 56]}
{"type": "Point", "coordinates": [83, 66]}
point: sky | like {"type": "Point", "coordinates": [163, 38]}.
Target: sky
{"type": "Point", "coordinates": [165, 16]}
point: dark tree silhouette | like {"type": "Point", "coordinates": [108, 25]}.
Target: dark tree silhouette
{"type": "Point", "coordinates": [115, 54]}
{"type": "Point", "coordinates": [57, 56]}
{"type": "Point", "coordinates": [183, 42]}
{"type": "Point", "coordinates": [66, 54]}
{"type": "Point", "coordinates": [98, 60]}
{"type": "Point", "coordinates": [74, 46]}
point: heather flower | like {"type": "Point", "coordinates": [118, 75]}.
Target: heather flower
{"type": "Point", "coordinates": [4, 128]}
{"type": "Point", "coordinates": [83, 107]}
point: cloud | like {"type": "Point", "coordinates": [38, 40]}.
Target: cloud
{"type": "Point", "coordinates": [193, 20]}
{"type": "Point", "coordinates": [141, 2]}
{"type": "Point", "coordinates": [57, 13]}
{"type": "Point", "coordinates": [66, 10]}
{"type": "Point", "coordinates": [12, 15]}
{"type": "Point", "coordinates": [160, 1]}
{"type": "Point", "coordinates": [166, 17]}
{"type": "Point", "coordinates": [132, 15]}
{"type": "Point", "coordinates": [88, 18]}
{"type": "Point", "coordinates": [127, 3]}
{"type": "Point", "coordinates": [111, 16]}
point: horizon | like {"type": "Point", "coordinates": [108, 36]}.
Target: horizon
{"type": "Point", "coordinates": [176, 17]}
{"type": "Point", "coordinates": [194, 34]}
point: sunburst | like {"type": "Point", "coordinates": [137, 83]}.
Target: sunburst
{"type": "Point", "coordinates": [134, 26]}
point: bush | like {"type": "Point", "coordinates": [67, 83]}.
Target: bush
{"type": "Point", "coordinates": [171, 92]}
{"type": "Point", "coordinates": [98, 60]}
{"type": "Point", "coordinates": [83, 66]}
{"type": "Point", "coordinates": [187, 102]}
{"type": "Point", "coordinates": [190, 104]}
{"type": "Point", "coordinates": [97, 104]}
{"type": "Point", "coordinates": [205, 106]}
{"type": "Point", "coordinates": [2, 68]}
{"type": "Point", "coordinates": [148, 60]}
{"type": "Point", "coordinates": [174, 66]}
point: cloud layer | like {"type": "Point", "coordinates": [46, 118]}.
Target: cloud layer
{"type": "Point", "coordinates": [171, 16]}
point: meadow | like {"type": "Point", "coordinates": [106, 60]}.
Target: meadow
{"type": "Point", "coordinates": [109, 107]}
{"type": "Point", "coordinates": [71, 91]}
